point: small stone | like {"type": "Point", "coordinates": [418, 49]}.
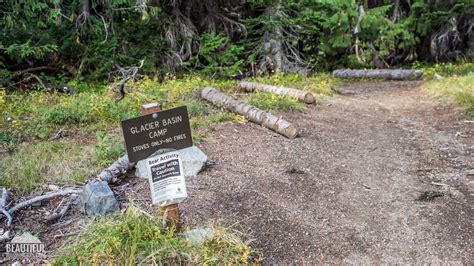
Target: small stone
{"type": "Point", "coordinates": [26, 237]}
{"type": "Point", "coordinates": [470, 173]}
{"type": "Point", "coordinates": [36, 204]}
{"type": "Point", "coordinates": [53, 187]}
{"type": "Point", "coordinates": [196, 237]}
{"type": "Point", "coordinates": [193, 160]}
{"type": "Point", "coordinates": [97, 199]}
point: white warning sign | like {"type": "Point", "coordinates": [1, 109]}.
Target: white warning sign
{"type": "Point", "coordinates": [165, 174]}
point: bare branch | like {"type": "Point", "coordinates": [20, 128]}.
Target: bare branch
{"type": "Point", "coordinates": [27, 203]}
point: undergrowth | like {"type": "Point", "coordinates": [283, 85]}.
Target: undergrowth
{"type": "Point", "coordinates": [459, 89]}
{"type": "Point", "coordinates": [134, 237]}
{"type": "Point", "coordinates": [35, 164]}
{"type": "Point", "coordinates": [445, 69]}
{"type": "Point", "coordinates": [272, 102]}
{"type": "Point", "coordinates": [319, 83]}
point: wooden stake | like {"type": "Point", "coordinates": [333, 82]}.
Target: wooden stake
{"type": "Point", "coordinates": [170, 212]}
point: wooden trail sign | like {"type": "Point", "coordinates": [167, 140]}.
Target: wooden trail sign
{"type": "Point", "coordinates": [153, 131]}
{"type": "Point", "coordinates": [156, 130]}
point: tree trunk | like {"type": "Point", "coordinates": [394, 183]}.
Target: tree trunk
{"type": "Point", "coordinates": [252, 113]}
{"type": "Point", "coordinates": [395, 74]}
{"type": "Point", "coordinates": [396, 6]}
{"type": "Point", "coordinates": [303, 96]}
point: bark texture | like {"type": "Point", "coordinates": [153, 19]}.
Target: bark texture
{"type": "Point", "coordinates": [303, 96]}
{"type": "Point", "coordinates": [119, 167]}
{"type": "Point", "coordinates": [395, 74]}
{"type": "Point", "coordinates": [252, 113]}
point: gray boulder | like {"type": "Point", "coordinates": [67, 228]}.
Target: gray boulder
{"type": "Point", "coordinates": [97, 199]}
{"type": "Point", "coordinates": [193, 160]}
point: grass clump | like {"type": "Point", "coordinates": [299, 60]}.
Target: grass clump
{"type": "Point", "coordinates": [445, 69]}
{"type": "Point", "coordinates": [272, 102]}
{"type": "Point", "coordinates": [35, 164]}
{"type": "Point", "coordinates": [108, 148]}
{"type": "Point", "coordinates": [317, 83]}
{"type": "Point", "coordinates": [134, 237]}
{"type": "Point", "coordinates": [459, 89]}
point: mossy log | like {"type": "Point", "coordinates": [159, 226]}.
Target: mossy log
{"type": "Point", "coordinates": [252, 113]}
{"type": "Point", "coordinates": [303, 96]}
{"type": "Point", "coordinates": [394, 74]}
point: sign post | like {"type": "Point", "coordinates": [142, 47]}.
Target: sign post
{"type": "Point", "coordinates": [170, 212]}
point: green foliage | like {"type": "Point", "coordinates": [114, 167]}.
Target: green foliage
{"type": "Point", "coordinates": [34, 164]}
{"type": "Point", "coordinates": [108, 148]}
{"type": "Point", "coordinates": [272, 102]}
{"type": "Point", "coordinates": [458, 89]}
{"type": "Point", "coordinates": [217, 38]}
{"type": "Point", "coordinates": [134, 237]}
{"type": "Point", "coordinates": [445, 69]}
{"type": "Point", "coordinates": [215, 56]}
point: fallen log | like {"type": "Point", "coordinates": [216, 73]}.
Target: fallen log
{"type": "Point", "coordinates": [395, 74]}
{"type": "Point", "coordinates": [119, 167]}
{"type": "Point", "coordinates": [303, 96]}
{"type": "Point", "coordinates": [252, 113]}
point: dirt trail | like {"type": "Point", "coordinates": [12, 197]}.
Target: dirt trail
{"type": "Point", "coordinates": [345, 190]}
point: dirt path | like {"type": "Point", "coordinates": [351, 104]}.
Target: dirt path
{"type": "Point", "coordinates": [345, 190]}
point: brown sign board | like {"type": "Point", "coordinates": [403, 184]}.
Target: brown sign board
{"type": "Point", "coordinates": [168, 129]}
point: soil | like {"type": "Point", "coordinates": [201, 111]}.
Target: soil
{"type": "Point", "coordinates": [345, 191]}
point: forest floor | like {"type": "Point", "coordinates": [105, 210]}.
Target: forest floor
{"type": "Point", "coordinates": [359, 185]}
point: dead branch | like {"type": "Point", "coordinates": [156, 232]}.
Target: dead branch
{"type": "Point", "coordinates": [119, 167]}
{"type": "Point", "coordinates": [60, 214]}
{"type": "Point", "coordinates": [4, 198]}
{"type": "Point", "coordinates": [252, 113]}
{"type": "Point", "coordinates": [38, 79]}
{"type": "Point", "coordinates": [4, 235]}
{"type": "Point", "coordinates": [20, 73]}
{"type": "Point", "coordinates": [3, 205]}
{"type": "Point", "coordinates": [27, 203]}
{"type": "Point", "coordinates": [126, 73]}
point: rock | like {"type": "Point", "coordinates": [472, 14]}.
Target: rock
{"type": "Point", "coordinates": [26, 237]}
{"type": "Point", "coordinates": [437, 77]}
{"type": "Point", "coordinates": [470, 173]}
{"type": "Point", "coordinates": [193, 160]}
{"type": "Point", "coordinates": [53, 187]}
{"type": "Point", "coordinates": [196, 237]}
{"type": "Point", "coordinates": [97, 199]}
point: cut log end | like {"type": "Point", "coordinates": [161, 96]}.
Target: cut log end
{"type": "Point", "coordinates": [291, 132]}
{"type": "Point", "coordinates": [309, 98]}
